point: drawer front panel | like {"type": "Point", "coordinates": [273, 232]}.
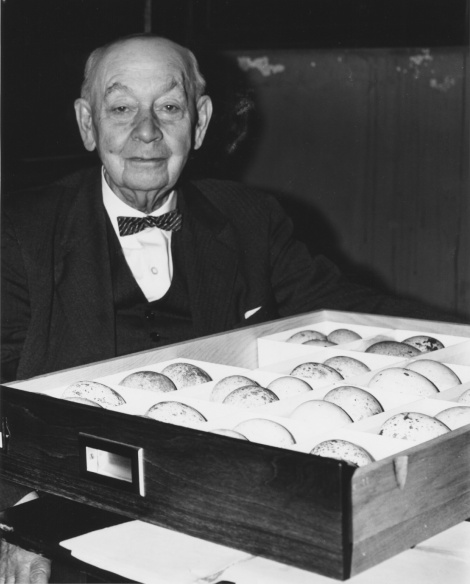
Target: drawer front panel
{"type": "Point", "coordinates": [283, 505]}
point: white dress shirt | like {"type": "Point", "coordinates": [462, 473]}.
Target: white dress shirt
{"type": "Point", "coordinates": [147, 253]}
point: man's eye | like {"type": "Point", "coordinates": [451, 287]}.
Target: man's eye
{"type": "Point", "coordinates": [121, 109]}
{"type": "Point", "coordinates": [171, 110]}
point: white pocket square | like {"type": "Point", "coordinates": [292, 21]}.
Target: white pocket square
{"type": "Point", "coordinates": [251, 312]}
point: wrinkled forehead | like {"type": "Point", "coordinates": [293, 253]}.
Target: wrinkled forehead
{"type": "Point", "coordinates": [149, 60]}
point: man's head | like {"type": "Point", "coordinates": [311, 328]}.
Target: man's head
{"type": "Point", "coordinates": [143, 108]}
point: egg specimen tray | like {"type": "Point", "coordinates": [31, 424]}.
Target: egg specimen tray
{"type": "Point", "coordinates": [316, 513]}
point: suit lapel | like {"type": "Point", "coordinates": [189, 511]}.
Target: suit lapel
{"type": "Point", "coordinates": [82, 271]}
{"type": "Point", "coordinates": [210, 260]}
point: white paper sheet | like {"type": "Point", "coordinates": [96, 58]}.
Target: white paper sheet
{"type": "Point", "coordinates": [153, 555]}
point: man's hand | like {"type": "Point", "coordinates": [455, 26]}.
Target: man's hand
{"type": "Point", "coordinates": [18, 566]}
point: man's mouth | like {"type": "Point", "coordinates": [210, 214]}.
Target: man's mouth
{"type": "Point", "coordinates": [145, 159]}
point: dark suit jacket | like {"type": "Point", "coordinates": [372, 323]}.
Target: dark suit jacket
{"type": "Point", "coordinates": [240, 254]}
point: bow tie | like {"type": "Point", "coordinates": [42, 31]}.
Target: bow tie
{"type": "Point", "coordinates": [170, 221]}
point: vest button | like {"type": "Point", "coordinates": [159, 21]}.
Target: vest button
{"type": "Point", "coordinates": [154, 337]}
{"type": "Point", "coordinates": [149, 314]}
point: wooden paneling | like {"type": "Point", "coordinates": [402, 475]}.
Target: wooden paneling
{"type": "Point", "coordinates": [369, 149]}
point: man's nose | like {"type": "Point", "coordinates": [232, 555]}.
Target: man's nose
{"type": "Point", "coordinates": [147, 129]}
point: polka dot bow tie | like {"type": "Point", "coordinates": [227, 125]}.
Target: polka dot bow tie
{"type": "Point", "coordinates": [168, 222]}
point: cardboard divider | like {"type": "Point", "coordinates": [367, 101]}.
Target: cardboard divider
{"type": "Point", "coordinates": [427, 406]}
{"type": "Point", "coordinates": [454, 393]}
{"type": "Point", "coordinates": [275, 347]}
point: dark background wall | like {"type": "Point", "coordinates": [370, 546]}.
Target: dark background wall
{"type": "Point", "coordinates": [360, 118]}
{"type": "Point", "coordinates": [369, 150]}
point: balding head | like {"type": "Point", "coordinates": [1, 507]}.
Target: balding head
{"type": "Point", "coordinates": [194, 79]}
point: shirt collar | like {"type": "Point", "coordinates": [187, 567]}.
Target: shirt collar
{"type": "Point", "coordinates": [115, 207]}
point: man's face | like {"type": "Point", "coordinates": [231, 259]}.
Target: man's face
{"type": "Point", "coordinates": [143, 118]}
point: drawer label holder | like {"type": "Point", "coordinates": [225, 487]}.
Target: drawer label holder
{"type": "Point", "coordinates": [111, 463]}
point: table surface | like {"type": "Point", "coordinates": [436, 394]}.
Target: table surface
{"type": "Point", "coordinates": [43, 523]}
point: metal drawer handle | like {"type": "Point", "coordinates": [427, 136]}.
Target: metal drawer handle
{"type": "Point", "coordinates": [111, 463]}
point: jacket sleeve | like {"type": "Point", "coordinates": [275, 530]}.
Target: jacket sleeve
{"type": "Point", "coordinates": [302, 282]}
{"type": "Point", "coordinates": [15, 305]}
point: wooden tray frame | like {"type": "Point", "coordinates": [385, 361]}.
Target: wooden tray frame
{"type": "Point", "coordinates": [315, 513]}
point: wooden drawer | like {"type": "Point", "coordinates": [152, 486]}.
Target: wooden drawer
{"type": "Point", "coordinates": [315, 513]}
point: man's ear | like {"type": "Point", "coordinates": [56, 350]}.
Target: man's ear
{"type": "Point", "coordinates": [204, 114]}
{"type": "Point", "coordinates": [85, 123]}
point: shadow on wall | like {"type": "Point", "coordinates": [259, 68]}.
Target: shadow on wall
{"type": "Point", "coordinates": [236, 123]}
{"type": "Point", "coordinates": [316, 231]}
{"type": "Point", "coordinates": [232, 139]}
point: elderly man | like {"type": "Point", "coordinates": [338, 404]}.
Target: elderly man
{"type": "Point", "coordinates": [134, 256]}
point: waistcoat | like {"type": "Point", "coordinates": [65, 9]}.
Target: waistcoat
{"type": "Point", "coordinates": [141, 324]}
